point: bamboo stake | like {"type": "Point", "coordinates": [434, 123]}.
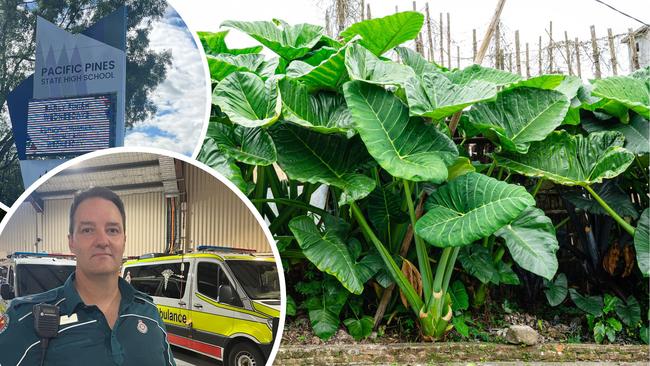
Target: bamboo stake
{"type": "Point", "coordinates": [480, 55]}
{"type": "Point", "coordinates": [497, 47]}
{"type": "Point", "coordinates": [458, 57]}
{"type": "Point", "coordinates": [442, 50]}
{"type": "Point", "coordinates": [568, 52]}
{"type": "Point", "coordinates": [368, 15]}
{"type": "Point", "coordinates": [577, 47]}
{"type": "Point", "coordinates": [596, 52]}
{"type": "Point", "coordinates": [448, 40]}
{"type": "Point", "coordinates": [517, 56]}
{"type": "Point", "coordinates": [550, 47]}
{"type": "Point", "coordinates": [634, 60]}
{"type": "Point", "coordinates": [429, 31]}
{"type": "Point", "coordinates": [510, 62]}
{"type": "Point", "coordinates": [539, 55]}
{"type": "Point", "coordinates": [612, 50]}
{"type": "Point", "coordinates": [527, 61]}
{"type": "Point", "coordinates": [363, 7]}
{"type": "Point", "coordinates": [419, 41]}
{"type": "Point", "coordinates": [473, 43]}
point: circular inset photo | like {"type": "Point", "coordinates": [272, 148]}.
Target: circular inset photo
{"type": "Point", "coordinates": [138, 257]}
{"type": "Point", "coordinates": [80, 76]}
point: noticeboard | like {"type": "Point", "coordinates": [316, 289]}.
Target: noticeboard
{"type": "Point", "coordinates": [74, 125]}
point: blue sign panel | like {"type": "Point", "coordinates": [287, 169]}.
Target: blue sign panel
{"type": "Point", "coordinates": [70, 125]}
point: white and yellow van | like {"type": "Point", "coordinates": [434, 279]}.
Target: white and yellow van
{"type": "Point", "coordinates": [220, 302]}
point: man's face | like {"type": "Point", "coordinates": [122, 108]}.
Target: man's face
{"type": "Point", "coordinates": [98, 237]}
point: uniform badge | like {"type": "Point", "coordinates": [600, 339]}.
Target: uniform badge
{"type": "Point", "coordinates": [4, 322]}
{"type": "Point", "coordinates": [142, 327]}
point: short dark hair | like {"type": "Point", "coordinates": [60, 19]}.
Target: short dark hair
{"type": "Point", "coordinates": [96, 192]}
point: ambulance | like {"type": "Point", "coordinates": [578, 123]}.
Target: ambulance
{"type": "Point", "coordinates": [23, 274]}
{"type": "Point", "coordinates": [221, 302]}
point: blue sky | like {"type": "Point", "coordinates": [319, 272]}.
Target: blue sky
{"type": "Point", "coordinates": [181, 98]}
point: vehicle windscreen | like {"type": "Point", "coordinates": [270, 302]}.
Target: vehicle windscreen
{"type": "Point", "coordinates": [35, 278]}
{"type": "Point", "coordinates": [259, 279]}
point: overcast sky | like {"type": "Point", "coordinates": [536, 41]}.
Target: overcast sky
{"type": "Point", "coordinates": [181, 98]}
{"type": "Point", "coordinates": [531, 18]}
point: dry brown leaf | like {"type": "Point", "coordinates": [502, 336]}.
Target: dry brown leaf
{"type": "Point", "coordinates": [610, 261]}
{"type": "Point", "coordinates": [413, 275]}
{"type": "Point", "coordinates": [629, 257]}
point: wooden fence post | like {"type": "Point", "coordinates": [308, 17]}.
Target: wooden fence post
{"type": "Point", "coordinates": [596, 52]}
{"type": "Point", "coordinates": [631, 42]}
{"type": "Point", "coordinates": [568, 52]}
{"type": "Point", "coordinates": [458, 57]}
{"type": "Point", "coordinates": [539, 55]}
{"type": "Point", "coordinates": [517, 57]}
{"type": "Point", "coordinates": [497, 47]}
{"type": "Point", "coordinates": [442, 50]}
{"type": "Point", "coordinates": [473, 43]}
{"type": "Point", "coordinates": [429, 31]}
{"type": "Point", "coordinates": [550, 47]}
{"type": "Point", "coordinates": [510, 62]}
{"type": "Point", "coordinates": [577, 46]}
{"type": "Point", "coordinates": [612, 50]}
{"type": "Point", "coordinates": [448, 40]}
{"type": "Point", "coordinates": [527, 61]}
{"type": "Point", "coordinates": [368, 15]}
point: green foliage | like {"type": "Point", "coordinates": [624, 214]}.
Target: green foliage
{"type": "Point", "coordinates": [370, 135]}
{"type": "Point", "coordinates": [642, 243]}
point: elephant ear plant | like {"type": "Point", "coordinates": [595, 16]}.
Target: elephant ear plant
{"type": "Point", "coordinates": [340, 117]}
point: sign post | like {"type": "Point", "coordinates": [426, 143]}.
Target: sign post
{"type": "Point", "coordinates": [74, 102]}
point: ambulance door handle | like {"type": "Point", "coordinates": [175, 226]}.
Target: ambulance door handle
{"type": "Point", "coordinates": [198, 306]}
{"type": "Point", "coordinates": [182, 303]}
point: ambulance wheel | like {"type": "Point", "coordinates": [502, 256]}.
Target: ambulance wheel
{"type": "Point", "coordinates": [245, 354]}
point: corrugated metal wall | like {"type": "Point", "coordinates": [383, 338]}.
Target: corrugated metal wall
{"type": "Point", "coordinates": [20, 232]}
{"type": "Point", "coordinates": [218, 217]}
{"type": "Point", "coordinates": [145, 226]}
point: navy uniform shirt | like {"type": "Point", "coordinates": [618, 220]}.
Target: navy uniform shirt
{"type": "Point", "coordinates": [138, 337]}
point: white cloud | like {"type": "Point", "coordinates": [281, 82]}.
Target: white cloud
{"type": "Point", "coordinates": [181, 98]}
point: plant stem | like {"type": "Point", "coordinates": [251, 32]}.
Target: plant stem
{"type": "Point", "coordinates": [450, 269]}
{"type": "Point", "coordinates": [627, 227]}
{"type": "Point", "coordinates": [420, 246]}
{"type": "Point", "coordinates": [537, 186]}
{"type": "Point", "coordinates": [561, 223]}
{"type": "Point", "coordinates": [491, 168]}
{"type": "Point", "coordinates": [260, 187]}
{"type": "Point", "coordinates": [638, 161]}
{"type": "Point", "coordinates": [392, 268]}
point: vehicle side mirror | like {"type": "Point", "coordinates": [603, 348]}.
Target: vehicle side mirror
{"type": "Point", "coordinates": [6, 292]}
{"type": "Point", "coordinates": [226, 294]}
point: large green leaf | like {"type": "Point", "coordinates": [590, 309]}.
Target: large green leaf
{"type": "Point", "coordinates": [557, 290]}
{"type": "Point", "coordinates": [289, 42]}
{"type": "Point", "coordinates": [327, 251]}
{"type": "Point", "coordinates": [642, 243]}
{"type": "Point", "coordinates": [589, 304]}
{"type": "Point", "coordinates": [487, 74]}
{"type": "Point", "coordinates": [360, 328]}
{"type": "Point", "coordinates": [248, 100]}
{"type": "Point", "coordinates": [520, 116]}
{"type": "Point", "coordinates": [634, 93]}
{"type": "Point", "coordinates": [322, 73]}
{"type": "Point", "coordinates": [223, 65]}
{"type": "Point", "coordinates": [478, 262]}
{"type": "Point", "coordinates": [531, 240]}
{"type": "Point", "coordinates": [324, 111]}
{"type": "Point", "coordinates": [637, 132]}
{"type": "Point", "coordinates": [611, 194]}
{"type": "Point", "coordinates": [381, 34]}
{"type": "Point", "coordinates": [215, 43]}
{"type": "Point", "coordinates": [571, 160]}
{"type": "Point", "coordinates": [406, 147]}
{"type": "Point", "coordinates": [433, 95]}
{"type": "Point", "coordinates": [416, 62]}
{"type": "Point", "coordinates": [469, 208]}
{"type": "Point", "coordinates": [546, 82]}
{"type": "Point", "coordinates": [458, 295]}
{"type": "Point", "coordinates": [312, 157]}
{"type": "Point", "coordinates": [363, 65]}
{"type": "Point", "coordinates": [324, 309]}
{"type": "Point", "coordinates": [252, 146]}
{"type": "Point", "coordinates": [384, 209]}
{"type": "Point", "coordinates": [629, 311]}
{"type": "Point", "coordinates": [217, 160]}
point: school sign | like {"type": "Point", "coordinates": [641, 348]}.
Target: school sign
{"type": "Point", "coordinates": [74, 102]}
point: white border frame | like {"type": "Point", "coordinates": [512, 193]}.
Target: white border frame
{"type": "Point", "coordinates": [205, 168]}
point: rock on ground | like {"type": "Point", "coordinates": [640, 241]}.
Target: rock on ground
{"type": "Point", "coordinates": [522, 334]}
